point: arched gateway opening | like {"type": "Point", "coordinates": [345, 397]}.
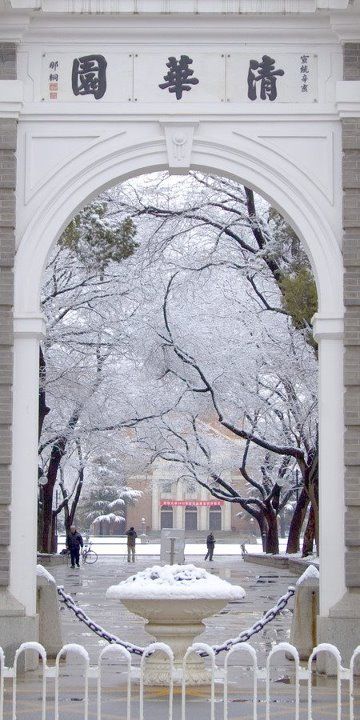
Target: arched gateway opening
{"type": "Point", "coordinates": [113, 259]}
{"type": "Point", "coordinates": [70, 188]}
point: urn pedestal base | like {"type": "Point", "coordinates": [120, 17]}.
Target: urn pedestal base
{"type": "Point", "coordinates": [179, 638]}
{"type": "Point", "coordinates": [177, 623]}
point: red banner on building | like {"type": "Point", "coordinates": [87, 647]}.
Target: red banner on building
{"type": "Point", "coordinates": [189, 503]}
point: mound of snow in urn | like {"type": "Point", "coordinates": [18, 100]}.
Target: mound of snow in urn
{"type": "Point", "coordinates": [175, 581]}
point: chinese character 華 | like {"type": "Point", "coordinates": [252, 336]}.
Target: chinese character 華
{"type": "Point", "coordinates": [89, 76]}
{"type": "Point", "coordinates": [266, 75]}
{"type": "Point", "coordinates": [179, 76]}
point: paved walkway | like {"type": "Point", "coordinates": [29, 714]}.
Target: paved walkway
{"type": "Point", "coordinates": [263, 586]}
{"type": "Point", "coordinates": [88, 585]}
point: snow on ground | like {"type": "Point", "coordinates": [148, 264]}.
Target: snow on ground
{"type": "Point", "coordinates": [117, 546]}
{"type": "Point", "coordinates": [175, 581]}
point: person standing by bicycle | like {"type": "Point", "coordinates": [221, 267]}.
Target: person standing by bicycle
{"type": "Point", "coordinates": [131, 540]}
{"type": "Point", "coordinates": [74, 542]}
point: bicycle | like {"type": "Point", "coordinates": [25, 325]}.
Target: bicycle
{"type": "Point", "coordinates": [88, 555]}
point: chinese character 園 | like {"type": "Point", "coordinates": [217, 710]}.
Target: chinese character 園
{"type": "Point", "coordinates": [89, 76]}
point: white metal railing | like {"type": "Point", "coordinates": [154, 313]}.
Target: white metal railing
{"type": "Point", "coordinates": [52, 687]}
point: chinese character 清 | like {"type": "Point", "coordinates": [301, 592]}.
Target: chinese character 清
{"type": "Point", "coordinates": [266, 75]}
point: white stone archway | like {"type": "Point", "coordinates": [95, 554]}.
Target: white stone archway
{"type": "Point", "coordinates": [299, 149]}
{"type": "Point", "coordinates": [105, 163]}
{"type": "Point", "coordinates": [108, 162]}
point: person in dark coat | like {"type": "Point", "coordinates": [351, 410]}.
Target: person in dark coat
{"type": "Point", "coordinates": [210, 544]}
{"type": "Point", "coordinates": [131, 539]}
{"type": "Point", "coordinates": [74, 542]}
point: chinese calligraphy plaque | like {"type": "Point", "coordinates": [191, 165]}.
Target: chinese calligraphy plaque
{"type": "Point", "coordinates": [89, 76]}
{"type": "Point", "coordinates": [179, 76]}
{"type": "Point", "coordinates": [266, 75]}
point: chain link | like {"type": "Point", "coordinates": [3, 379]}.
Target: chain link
{"type": "Point", "coordinates": [244, 636]}
{"type": "Point", "coordinates": [269, 616]}
{"type": "Point", "coordinates": [97, 629]}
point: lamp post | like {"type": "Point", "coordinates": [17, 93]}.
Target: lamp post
{"type": "Point", "coordinates": [143, 536]}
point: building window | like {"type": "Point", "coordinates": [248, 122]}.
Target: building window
{"type": "Point", "coordinates": [166, 487]}
{"type": "Point", "coordinates": [215, 517]}
{"type": "Point", "coordinates": [191, 489]}
{"type": "Point", "coordinates": [167, 517]}
{"type": "Point", "coordinates": [191, 517]}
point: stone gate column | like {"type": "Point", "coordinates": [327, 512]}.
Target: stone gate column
{"type": "Point", "coordinates": [16, 623]}
{"type": "Point", "coordinates": [329, 335]}
{"type": "Point", "coordinates": [7, 250]}
{"type": "Point", "coordinates": [23, 545]}
{"type": "Point", "coordinates": [342, 627]}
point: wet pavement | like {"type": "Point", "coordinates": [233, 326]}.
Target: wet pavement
{"type": "Point", "coordinates": [88, 586]}
{"type": "Point", "coordinates": [263, 587]}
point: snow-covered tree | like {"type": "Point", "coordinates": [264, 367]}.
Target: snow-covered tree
{"type": "Point", "coordinates": [199, 322]}
{"type": "Point", "coordinates": [81, 301]}
{"type": "Point", "coordinates": [106, 496]}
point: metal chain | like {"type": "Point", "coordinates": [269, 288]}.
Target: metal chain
{"type": "Point", "coordinates": [270, 615]}
{"type": "Point", "coordinates": [244, 636]}
{"type": "Point", "coordinates": [97, 629]}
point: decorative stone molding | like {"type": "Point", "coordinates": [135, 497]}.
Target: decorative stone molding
{"type": "Point", "coordinates": [11, 97]}
{"type": "Point", "coordinates": [327, 328]}
{"type": "Point", "coordinates": [348, 98]}
{"type": "Point", "coordinates": [180, 6]}
{"type": "Point", "coordinates": [29, 327]}
{"type": "Point", "coordinates": [179, 140]}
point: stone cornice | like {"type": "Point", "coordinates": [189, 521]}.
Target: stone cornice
{"type": "Point", "coordinates": [30, 326]}
{"type": "Point", "coordinates": [11, 98]}
{"type": "Point", "coordinates": [328, 328]}
{"type": "Point", "coordinates": [179, 6]}
{"type": "Point", "coordinates": [348, 98]}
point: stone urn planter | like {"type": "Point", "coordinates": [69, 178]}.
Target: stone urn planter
{"type": "Point", "coordinates": [175, 599]}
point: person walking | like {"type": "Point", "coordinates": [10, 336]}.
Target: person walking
{"type": "Point", "coordinates": [210, 544]}
{"type": "Point", "coordinates": [131, 539]}
{"type": "Point", "coordinates": [74, 542]}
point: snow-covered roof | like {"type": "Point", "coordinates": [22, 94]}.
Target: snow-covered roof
{"type": "Point", "coordinates": [175, 581]}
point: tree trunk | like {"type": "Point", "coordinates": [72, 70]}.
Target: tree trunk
{"type": "Point", "coordinates": [312, 486]}
{"type": "Point", "coordinates": [263, 530]}
{"type": "Point", "coordinates": [43, 408]}
{"type": "Point", "coordinates": [309, 535]}
{"type": "Point", "coordinates": [48, 543]}
{"type": "Point", "coordinates": [272, 535]}
{"type": "Point", "coordinates": [48, 540]}
{"type": "Point", "coordinates": [57, 453]}
{"type": "Point", "coordinates": [297, 521]}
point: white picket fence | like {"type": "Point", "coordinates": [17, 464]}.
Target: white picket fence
{"type": "Point", "coordinates": [45, 693]}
